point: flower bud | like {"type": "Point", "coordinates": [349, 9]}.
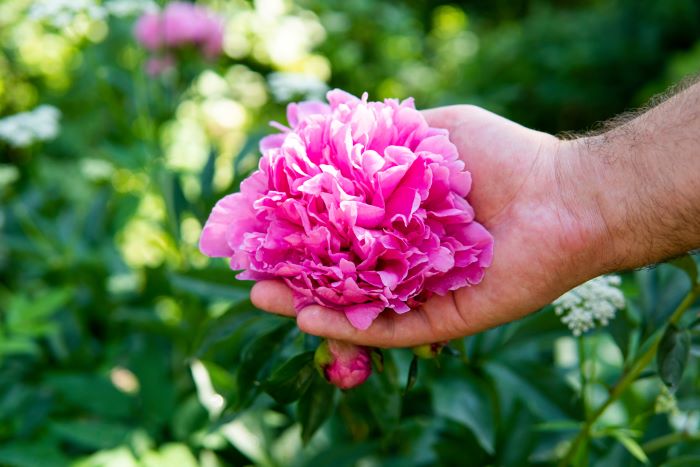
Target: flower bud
{"type": "Point", "coordinates": [342, 364]}
{"type": "Point", "coordinates": [429, 351]}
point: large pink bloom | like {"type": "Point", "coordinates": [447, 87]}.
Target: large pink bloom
{"type": "Point", "coordinates": [181, 24]}
{"type": "Point", "coordinates": [358, 206]}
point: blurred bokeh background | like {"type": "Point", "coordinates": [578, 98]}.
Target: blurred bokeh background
{"type": "Point", "coordinates": [121, 345]}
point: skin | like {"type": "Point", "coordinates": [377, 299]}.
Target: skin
{"type": "Point", "coordinates": [561, 212]}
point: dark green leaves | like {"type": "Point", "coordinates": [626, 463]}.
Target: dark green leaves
{"type": "Point", "coordinates": [315, 406]}
{"type": "Point", "coordinates": [255, 358]}
{"type": "Point", "coordinates": [465, 401]}
{"type": "Point", "coordinates": [288, 382]}
{"type": "Point", "coordinates": [672, 356]}
{"type": "Point", "coordinates": [688, 265]}
{"type": "Point", "coordinates": [412, 374]}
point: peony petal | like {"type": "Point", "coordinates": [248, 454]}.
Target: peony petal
{"type": "Point", "coordinates": [296, 112]}
{"type": "Point", "coordinates": [214, 239]}
{"type": "Point", "coordinates": [439, 144]}
{"type": "Point", "coordinates": [362, 316]}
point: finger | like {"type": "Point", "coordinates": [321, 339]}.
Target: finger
{"type": "Point", "coordinates": [273, 296]}
{"type": "Point", "coordinates": [443, 117]}
{"type": "Point", "coordinates": [388, 330]}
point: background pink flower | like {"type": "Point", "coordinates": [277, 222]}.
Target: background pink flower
{"type": "Point", "coordinates": [181, 24]}
{"type": "Point", "coordinates": [358, 206]}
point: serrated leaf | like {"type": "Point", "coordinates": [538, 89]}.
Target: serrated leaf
{"type": "Point", "coordinates": [288, 382]}
{"type": "Point", "coordinates": [672, 356]}
{"type": "Point", "coordinates": [315, 406]}
{"type": "Point", "coordinates": [688, 265]}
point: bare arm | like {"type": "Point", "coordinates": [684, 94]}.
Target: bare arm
{"type": "Point", "coordinates": [641, 180]}
{"type": "Point", "coordinates": [561, 212]}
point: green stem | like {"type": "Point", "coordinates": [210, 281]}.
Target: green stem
{"type": "Point", "coordinates": [627, 379]}
{"type": "Point", "coordinates": [582, 372]}
{"type": "Point", "coordinates": [668, 440]}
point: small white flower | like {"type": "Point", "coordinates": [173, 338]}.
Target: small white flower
{"type": "Point", "coordinates": [23, 129]}
{"type": "Point", "coordinates": [285, 86]}
{"type": "Point", "coordinates": [594, 302]}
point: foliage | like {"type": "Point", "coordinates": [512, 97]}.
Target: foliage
{"type": "Point", "coordinates": [121, 345]}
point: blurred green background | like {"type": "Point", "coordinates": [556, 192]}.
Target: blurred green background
{"type": "Point", "coordinates": [121, 345]}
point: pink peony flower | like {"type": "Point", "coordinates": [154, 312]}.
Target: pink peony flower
{"type": "Point", "coordinates": [342, 364]}
{"type": "Point", "coordinates": [148, 31]}
{"type": "Point", "coordinates": [181, 24]}
{"type": "Point", "coordinates": [358, 206]}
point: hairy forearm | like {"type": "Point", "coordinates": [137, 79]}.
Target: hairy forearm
{"type": "Point", "coordinates": [639, 183]}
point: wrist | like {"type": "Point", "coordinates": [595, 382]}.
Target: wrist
{"type": "Point", "coordinates": [591, 234]}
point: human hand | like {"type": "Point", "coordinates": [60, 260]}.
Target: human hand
{"type": "Point", "coordinates": [523, 193]}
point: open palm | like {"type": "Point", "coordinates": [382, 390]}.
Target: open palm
{"type": "Point", "coordinates": [523, 195]}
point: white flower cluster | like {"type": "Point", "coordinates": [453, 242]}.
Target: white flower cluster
{"type": "Point", "coordinates": [285, 86]}
{"type": "Point", "coordinates": [61, 13]}
{"type": "Point", "coordinates": [23, 129]}
{"type": "Point", "coordinates": [596, 301]}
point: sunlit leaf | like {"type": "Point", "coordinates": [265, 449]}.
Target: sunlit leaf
{"type": "Point", "coordinates": [632, 446]}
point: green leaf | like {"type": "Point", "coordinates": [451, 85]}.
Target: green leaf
{"type": "Point", "coordinates": [256, 357]}
{"type": "Point", "coordinates": [672, 356]}
{"type": "Point", "coordinates": [20, 345]}
{"type": "Point", "coordinates": [206, 178]}
{"type": "Point", "coordinates": [30, 316]}
{"type": "Point", "coordinates": [208, 290]}
{"type": "Point", "coordinates": [315, 406]}
{"type": "Point", "coordinates": [223, 382]}
{"type": "Point", "coordinates": [412, 374]}
{"type": "Point", "coordinates": [688, 265]}
{"type": "Point", "coordinates": [465, 401]}
{"type": "Point", "coordinates": [632, 446]}
{"type": "Point", "coordinates": [690, 460]}
{"type": "Point", "coordinates": [93, 393]}
{"type": "Point", "coordinates": [44, 453]}
{"type": "Point", "coordinates": [383, 398]}
{"type": "Point", "coordinates": [288, 382]}
{"type": "Point", "coordinates": [229, 328]}
{"type": "Point", "coordinates": [91, 434]}
{"type": "Point", "coordinates": [344, 455]}
{"type": "Point", "coordinates": [169, 455]}
{"type": "Point", "coordinates": [559, 425]}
